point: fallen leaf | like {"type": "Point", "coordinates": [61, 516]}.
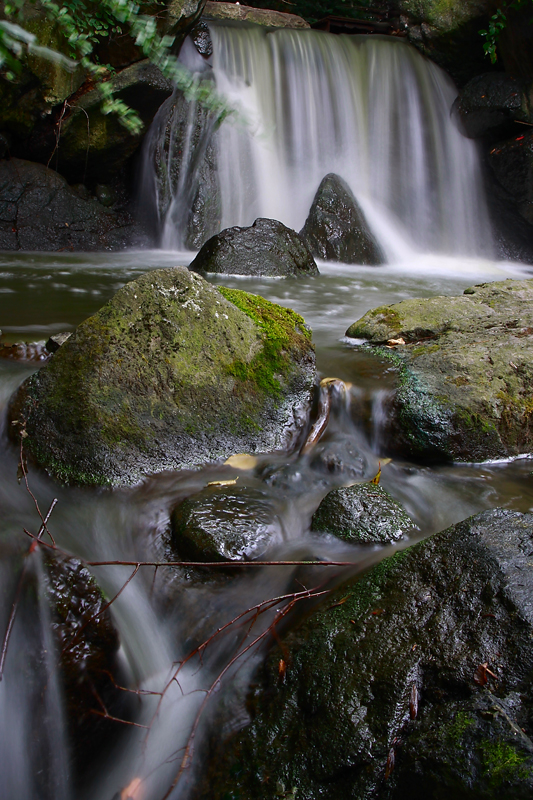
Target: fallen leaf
{"type": "Point", "coordinates": [480, 675]}
{"type": "Point", "coordinates": [241, 461]}
{"type": "Point", "coordinates": [377, 477]}
{"type": "Point", "coordinates": [378, 612]}
{"type": "Point", "coordinates": [223, 483]}
{"type": "Point", "coordinates": [394, 342]}
{"type": "Point", "coordinates": [413, 702]}
{"type": "Point", "coordinates": [282, 669]}
{"type": "Point", "coordinates": [344, 599]}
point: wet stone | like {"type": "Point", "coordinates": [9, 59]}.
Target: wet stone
{"type": "Point", "coordinates": [362, 513]}
{"type": "Point", "coordinates": [225, 524]}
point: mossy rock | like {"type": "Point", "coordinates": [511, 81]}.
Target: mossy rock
{"type": "Point", "coordinates": [363, 513]}
{"type": "Point", "coordinates": [413, 681]}
{"type": "Point", "coordinates": [170, 374]}
{"type": "Point", "coordinates": [465, 374]}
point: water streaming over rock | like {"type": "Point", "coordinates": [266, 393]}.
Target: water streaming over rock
{"type": "Point", "coordinates": [370, 109]}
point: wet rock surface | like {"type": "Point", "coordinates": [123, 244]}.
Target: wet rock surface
{"type": "Point", "coordinates": [87, 643]}
{"type": "Point", "coordinates": [225, 524]}
{"type": "Point", "coordinates": [512, 164]}
{"type": "Point", "coordinates": [464, 371]}
{"type": "Point", "coordinates": [267, 248]}
{"type": "Point", "coordinates": [259, 16]}
{"type": "Point", "coordinates": [489, 105]}
{"type": "Point", "coordinates": [40, 211]}
{"type": "Point", "coordinates": [363, 513]}
{"type": "Point", "coordinates": [336, 229]}
{"type": "Point", "coordinates": [170, 374]}
{"type": "Point", "coordinates": [417, 684]}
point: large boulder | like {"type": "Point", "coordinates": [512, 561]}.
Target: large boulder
{"type": "Point", "coordinates": [40, 211]}
{"type": "Point", "coordinates": [266, 249]}
{"type": "Point", "coordinates": [259, 16]}
{"type": "Point", "coordinates": [489, 105]}
{"type": "Point", "coordinates": [170, 374]}
{"type": "Point", "coordinates": [465, 371]}
{"type": "Point", "coordinates": [336, 229]}
{"type": "Point", "coordinates": [414, 681]}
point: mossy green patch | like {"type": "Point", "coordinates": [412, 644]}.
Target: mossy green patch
{"type": "Point", "coordinates": [502, 763]}
{"type": "Point", "coordinates": [285, 336]}
{"type": "Point", "coordinates": [457, 729]}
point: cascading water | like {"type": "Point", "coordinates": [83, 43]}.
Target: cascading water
{"type": "Point", "coordinates": [370, 109]}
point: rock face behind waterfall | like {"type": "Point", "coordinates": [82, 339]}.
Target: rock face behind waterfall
{"type": "Point", "coordinates": [413, 682]}
{"type": "Point", "coordinates": [170, 374]}
{"type": "Point", "coordinates": [336, 229]}
{"type": "Point", "coordinates": [267, 248]}
{"type": "Point", "coordinates": [465, 371]}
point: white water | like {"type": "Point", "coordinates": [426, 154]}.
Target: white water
{"type": "Point", "coordinates": [370, 109]}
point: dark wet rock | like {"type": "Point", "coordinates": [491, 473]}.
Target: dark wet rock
{"type": "Point", "coordinates": [464, 371]}
{"type": "Point", "coordinates": [489, 105]}
{"type": "Point", "coordinates": [362, 513]}
{"type": "Point", "coordinates": [512, 164]}
{"type": "Point", "coordinates": [170, 374]}
{"type": "Point", "coordinates": [267, 248]}
{"type": "Point", "coordinates": [259, 16]}
{"type": "Point", "coordinates": [88, 644]}
{"type": "Point", "coordinates": [181, 17]}
{"type": "Point", "coordinates": [336, 229]}
{"type": "Point", "coordinates": [417, 684]}
{"type": "Point", "coordinates": [201, 39]}
{"type": "Point", "coordinates": [39, 211]}
{"type": "Point", "coordinates": [187, 185]}
{"type": "Point", "coordinates": [225, 523]}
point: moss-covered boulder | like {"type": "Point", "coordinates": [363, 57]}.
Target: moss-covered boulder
{"type": "Point", "coordinates": [336, 229]}
{"type": "Point", "coordinates": [465, 371]}
{"type": "Point", "coordinates": [259, 16]}
{"type": "Point", "coordinates": [226, 523]}
{"type": "Point", "coordinates": [413, 682]}
{"type": "Point", "coordinates": [363, 513]}
{"type": "Point", "coordinates": [265, 249]}
{"type": "Point", "coordinates": [170, 374]}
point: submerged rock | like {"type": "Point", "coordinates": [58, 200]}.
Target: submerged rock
{"type": "Point", "coordinates": [417, 684]}
{"type": "Point", "coordinates": [40, 211]}
{"type": "Point", "coordinates": [267, 248]}
{"type": "Point", "coordinates": [170, 374]}
{"type": "Point", "coordinates": [225, 524]}
{"type": "Point", "coordinates": [362, 513]}
{"type": "Point", "coordinates": [465, 371]}
{"type": "Point", "coordinates": [336, 229]}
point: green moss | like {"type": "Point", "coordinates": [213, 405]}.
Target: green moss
{"type": "Point", "coordinates": [456, 731]}
{"type": "Point", "coordinates": [502, 763]}
{"type": "Point", "coordinates": [284, 334]}
{"type": "Point", "coordinates": [387, 315]}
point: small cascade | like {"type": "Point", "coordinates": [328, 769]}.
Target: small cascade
{"type": "Point", "coordinates": [370, 109]}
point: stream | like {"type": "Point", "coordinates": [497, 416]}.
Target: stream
{"type": "Point", "coordinates": [162, 619]}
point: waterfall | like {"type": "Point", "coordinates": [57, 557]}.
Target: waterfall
{"type": "Point", "coordinates": [368, 108]}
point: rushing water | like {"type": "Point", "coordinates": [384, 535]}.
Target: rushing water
{"type": "Point", "coordinates": [378, 114]}
{"type": "Point", "coordinates": [370, 109]}
{"type": "Point", "coordinates": [41, 294]}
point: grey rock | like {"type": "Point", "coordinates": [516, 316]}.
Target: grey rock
{"type": "Point", "coordinates": [489, 104]}
{"type": "Point", "coordinates": [170, 374]}
{"type": "Point", "coordinates": [39, 211]}
{"type": "Point", "coordinates": [336, 229]}
{"type": "Point", "coordinates": [417, 684]}
{"type": "Point", "coordinates": [464, 371]}
{"type": "Point", "coordinates": [363, 513]}
{"type": "Point", "coordinates": [265, 249]}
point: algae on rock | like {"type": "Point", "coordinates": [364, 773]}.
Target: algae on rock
{"type": "Point", "coordinates": [465, 371]}
{"type": "Point", "coordinates": [168, 375]}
